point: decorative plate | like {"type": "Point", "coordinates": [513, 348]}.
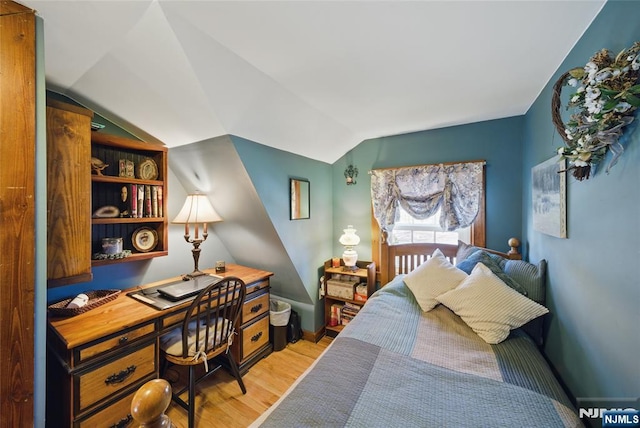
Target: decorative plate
{"type": "Point", "coordinates": [148, 170]}
{"type": "Point", "coordinates": [144, 239]}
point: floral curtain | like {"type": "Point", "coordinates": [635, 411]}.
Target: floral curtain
{"type": "Point", "coordinates": [422, 190]}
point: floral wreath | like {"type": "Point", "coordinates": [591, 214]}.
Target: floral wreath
{"type": "Point", "coordinates": [607, 94]}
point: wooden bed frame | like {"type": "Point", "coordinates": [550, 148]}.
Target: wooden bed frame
{"type": "Point", "coordinates": [402, 259]}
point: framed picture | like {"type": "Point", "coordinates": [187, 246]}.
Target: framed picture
{"type": "Point", "coordinates": [299, 199]}
{"type": "Point", "coordinates": [550, 197]}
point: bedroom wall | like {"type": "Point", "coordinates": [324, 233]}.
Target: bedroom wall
{"type": "Point", "coordinates": [496, 141]}
{"type": "Point", "coordinates": [307, 242]}
{"type": "Point", "coordinates": [593, 285]}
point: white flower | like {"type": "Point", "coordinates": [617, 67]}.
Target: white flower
{"type": "Point", "coordinates": [573, 82]}
{"type": "Point", "coordinates": [616, 72]}
{"type": "Point", "coordinates": [602, 75]}
{"type": "Point", "coordinates": [578, 162]}
{"type": "Point", "coordinates": [580, 90]}
{"type": "Point", "coordinates": [561, 151]}
{"type": "Point", "coordinates": [622, 107]}
{"type": "Point", "coordinates": [568, 132]}
{"type": "Point", "coordinates": [575, 98]}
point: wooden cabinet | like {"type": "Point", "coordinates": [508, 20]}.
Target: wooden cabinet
{"type": "Point", "coordinates": [98, 359]}
{"type": "Point", "coordinates": [129, 198]}
{"type": "Point", "coordinates": [252, 342]}
{"type": "Point", "coordinates": [20, 208]}
{"type": "Point", "coordinates": [86, 384]}
{"type": "Point", "coordinates": [68, 194]}
{"type": "Point", "coordinates": [100, 186]}
{"type": "Point", "coordinates": [364, 275]}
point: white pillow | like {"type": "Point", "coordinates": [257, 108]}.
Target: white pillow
{"type": "Point", "coordinates": [432, 278]}
{"type": "Point", "coordinates": [490, 307]}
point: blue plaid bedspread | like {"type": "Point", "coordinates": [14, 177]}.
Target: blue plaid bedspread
{"type": "Point", "coordinates": [396, 366]}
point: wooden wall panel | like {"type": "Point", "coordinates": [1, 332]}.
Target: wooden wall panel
{"type": "Point", "coordinates": [68, 194]}
{"type": "Point", "coordinates": [17, 213]}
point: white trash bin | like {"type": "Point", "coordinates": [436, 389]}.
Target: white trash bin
{"type": "Point", "coordinates": [279, 313]}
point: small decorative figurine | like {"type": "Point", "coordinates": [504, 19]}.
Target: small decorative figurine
{"type": "Point", "coordinates": [97, 166]}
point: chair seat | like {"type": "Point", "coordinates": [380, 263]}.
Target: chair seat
{"type": "Point", "coordinates": [171, 343]}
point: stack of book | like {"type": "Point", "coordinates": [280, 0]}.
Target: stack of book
{"type": "Point", "coordinates": [142, 201]}
{"type": "Point", "coordinates": [349, 310]}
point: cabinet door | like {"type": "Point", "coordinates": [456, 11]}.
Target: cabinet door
{"type": "Point", "coordinates": [68, 194]}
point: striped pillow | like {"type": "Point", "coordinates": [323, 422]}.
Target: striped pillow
{"type": "Point", "coordinates": [489, 306]}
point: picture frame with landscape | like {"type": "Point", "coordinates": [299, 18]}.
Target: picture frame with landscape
{"type": "Point", "coordinates": [549, 182]}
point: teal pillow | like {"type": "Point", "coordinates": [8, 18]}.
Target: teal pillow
{"type": "Point", "coordinates": [485, 258]}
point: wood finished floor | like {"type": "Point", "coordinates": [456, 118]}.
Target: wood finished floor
{"type": "Point", "coordinates": [219, 400]}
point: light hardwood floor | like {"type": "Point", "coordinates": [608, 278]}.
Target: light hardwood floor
{"type": "Point", "coordinates": [219, 400]}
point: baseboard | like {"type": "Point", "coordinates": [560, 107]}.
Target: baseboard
{"type": "Point", "coordinates": [311, 336]}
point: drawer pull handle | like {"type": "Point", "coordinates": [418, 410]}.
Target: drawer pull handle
{"type": "Point", "coordinates": [256, 337]}
{"type": "Point", "coordinates": [256, 308]}
{"type": "Point", "coordinates": [123, 422]}
{"type": "Point", "coordinates": [123, 340]}
{"type": "Point", "coordinates": [120, 377]}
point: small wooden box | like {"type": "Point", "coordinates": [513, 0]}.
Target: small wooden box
{"type": "Point", "coordinates": [341, 289]}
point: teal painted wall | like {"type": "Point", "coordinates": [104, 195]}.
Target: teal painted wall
{"type": "Point", "coordinates": [499, 142]}
{"type": "Point", "coordinates": [308, 241]}
{"type": "Point", "coordinates": [594, 275]}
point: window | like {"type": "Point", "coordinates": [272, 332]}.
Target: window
{"type": "Point", "coordinates": [409, 230]}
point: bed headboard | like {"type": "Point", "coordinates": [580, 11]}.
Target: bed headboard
{"type": "Point", "coordinates": [405, 258]}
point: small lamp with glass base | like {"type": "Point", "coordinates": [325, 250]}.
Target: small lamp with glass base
{"type": "Point", "coordinates": [349, 239]}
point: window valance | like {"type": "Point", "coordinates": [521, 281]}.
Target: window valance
{"type": "Point", "coordinates": [455, 188]}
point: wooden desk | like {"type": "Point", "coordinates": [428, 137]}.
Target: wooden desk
{"type": "Point", "coordinates": [97, 360]}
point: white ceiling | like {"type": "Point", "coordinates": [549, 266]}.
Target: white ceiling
{"type": "Point", "coordinates": [310, 77]}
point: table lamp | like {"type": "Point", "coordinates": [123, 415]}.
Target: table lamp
{"type": "Point", "coordinates": [197, 210]}
{"type": "Point", "coordinates": [349, 239]}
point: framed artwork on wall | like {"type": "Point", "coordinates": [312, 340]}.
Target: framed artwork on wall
{"type": "Point", "coordinates": [549, 194]}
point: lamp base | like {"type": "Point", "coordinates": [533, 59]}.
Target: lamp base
{"type": "Point", "coordinates": [350, 257]}
{"type": "Point", "coordinates": [192, 275]}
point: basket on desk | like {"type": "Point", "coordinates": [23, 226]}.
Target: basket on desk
{"type": "Point", "coordinates": [96, 298]}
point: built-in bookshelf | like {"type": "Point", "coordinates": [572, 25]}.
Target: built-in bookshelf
{"type": "Point", "coordinates": [128, 199]}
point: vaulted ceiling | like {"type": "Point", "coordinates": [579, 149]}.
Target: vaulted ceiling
{"type": "Point", "coordinates": [313, 78]}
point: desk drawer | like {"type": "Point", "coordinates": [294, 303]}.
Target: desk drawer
{"type": "Point", "coordinates": [117, 414]}
{"type": "Point", "coordinates": [112, 377]}
{"type": "Point", "coordinates": [255, 336]}
{"type": "Point", "coordinates": [255, 307]}
{"type": "Point", "coordinates": [115, 342]}
{"type": "Point", "coordinates": [256, 287]}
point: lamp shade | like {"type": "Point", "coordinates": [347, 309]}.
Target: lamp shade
{"type": "Point", "coordinates": [349, 239]}
{"type": "Point", "coordinates": [197, 209]}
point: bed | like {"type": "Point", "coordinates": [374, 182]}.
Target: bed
{"type": "Point", "coordinates": [397, 364]}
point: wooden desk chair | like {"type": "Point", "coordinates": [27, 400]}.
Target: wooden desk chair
{"type": "Point", "coordinates": [206, 332]}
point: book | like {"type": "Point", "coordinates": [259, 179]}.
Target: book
{"type": "Point", "coordinates": [160, 203]}
{"type": "Point", "coordinates": [154, 201]}
{"type": "Point", "coordinates": [140, 201]}
{"type": "Point", "coordinates": [336, 310]}
{"type": "Point", "coordinates": [147, 201]}
{"type": "Point", "coordinates": [134, 201]}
